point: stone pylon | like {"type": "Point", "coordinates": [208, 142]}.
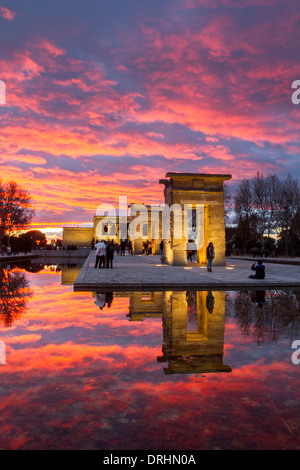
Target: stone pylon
{"type": "Point", "coordinates": [196, 190]}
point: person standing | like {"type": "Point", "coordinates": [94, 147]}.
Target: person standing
{"type": "Point", "coordinates": [102, 263]}
{"type": "Point", "coordinates": [100, 254]}
{"type": "Point", "coordinates": [123, 245]}
{"type": "Point", "coordinates": [97, 248]}
{"type": "Point", "coordinates": [210, 254]}
{"type": "Point", "coordinates": [161, 247]}
{"type": "Point", "coordinates": [109, 255]}
{"type": "Point", "coordinates": [189, 251]}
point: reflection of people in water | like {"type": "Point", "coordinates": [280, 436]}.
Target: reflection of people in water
{"type": "Point", "coordinates": [109, 298]}
{"type": "Point", "coordinates": [103, 299]}
{"type": "Point", "coordinates": [210, 301]}
{"type": "Point", "coordinates": [100, 300]}
{"type": "Point", "coordinates": [259, 298]}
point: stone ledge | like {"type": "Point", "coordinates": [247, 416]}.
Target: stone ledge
{"type": "Point", "coordinates": [146, 273]}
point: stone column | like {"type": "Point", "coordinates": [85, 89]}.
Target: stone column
{"type": "Point", "coordinates": [179, 240]}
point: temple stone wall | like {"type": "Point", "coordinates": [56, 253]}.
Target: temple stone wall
{"type": "Point", "coordinates": [78, 236]}
{"type": "Point", "coordinates": [69, 274]}
{"type": "Point", "coordinates": [109, 227]}
{"type": "Point", "coordinates": [146, 229]}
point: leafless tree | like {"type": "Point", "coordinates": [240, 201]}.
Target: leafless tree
{"type": "Point", "coordinates": [289, 207]}
{"type": "Point", "coordinates": [266, 202]}
{"type": "Point", "coordinates": [257, 200]}
{"type": "Point", "coordinates": [245, 217]}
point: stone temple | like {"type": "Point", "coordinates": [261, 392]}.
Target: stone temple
{"type": "Point", "coordinates": [199, 196]}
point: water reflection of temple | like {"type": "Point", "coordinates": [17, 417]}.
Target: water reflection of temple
{"type": "Point", "coordinates": [69, 273]}
{"type": "Point", "coordinates": [194, 322]}
{"type": "Point", "coordinates": [193, 328]}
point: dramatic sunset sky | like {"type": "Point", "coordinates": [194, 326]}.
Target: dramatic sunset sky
{"type": "Point", "coordinates": [104, 97]}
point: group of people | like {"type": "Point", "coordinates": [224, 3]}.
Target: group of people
{"type": "Point", "coordinates": [103, 298]}
{"type": "Point", "coordinates": [122, 246]}
{"type": "Point", "coordinates": [147, 248]}
{"type": "Point", "coordinates": [104, 254]}
{"type": "Point", "coordinates": [119, 248]}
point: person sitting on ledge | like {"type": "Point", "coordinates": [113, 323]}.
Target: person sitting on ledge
{"type": "Point", "coordinates": [259, 268]}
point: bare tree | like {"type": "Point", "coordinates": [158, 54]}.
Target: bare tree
{"type": "Point", "coordinates": [245, 216]}
{"type": "Point", "coordinates": [289, 207]}
{"type": "Point", "coordinates": [273, 196]}
{"type": "Point", "coordinates": [266, 201]}
{"type": "Point", "coordinates": [16, 211]}
{"type": "Point", "coordinates": [243, 201]}
{"type": "Point", "coordinates": [256, 206]}
{"type": "Point", "coordinates": [296, 224]}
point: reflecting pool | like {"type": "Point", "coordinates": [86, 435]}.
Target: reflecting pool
{"type": "Point", "coordinates": [145, 370]}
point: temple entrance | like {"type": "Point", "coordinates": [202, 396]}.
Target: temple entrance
{"type": "Point", "coordinates": [203, 196]}
{"type": "Point", "coordinates": [196, 233]}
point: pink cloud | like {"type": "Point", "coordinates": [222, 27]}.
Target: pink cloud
{"type": "Point", "coordinates": [7, 14]}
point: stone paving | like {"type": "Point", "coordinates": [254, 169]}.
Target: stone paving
{"type": "Point", "coordinates": [141, 272]}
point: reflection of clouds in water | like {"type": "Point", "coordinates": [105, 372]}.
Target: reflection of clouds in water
{"type": "Point", "coordinates": [73, 369]}
{"type": "Point", "coordinates": [14, 295]}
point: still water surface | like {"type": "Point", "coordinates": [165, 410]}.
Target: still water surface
{"type": "Point", "coordinates": [145, 370]}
